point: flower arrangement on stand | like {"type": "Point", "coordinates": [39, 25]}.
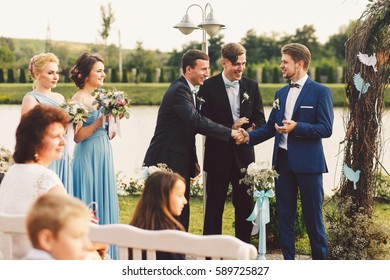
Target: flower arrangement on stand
{"type": "Point", "coordinates": [261, 180]}
{"type": "Point", "coordinates": [135, 186]}
{"type": "Point", "coordinates": [6, 160]}
{"type": "Point", "coordinates": [115, 105]}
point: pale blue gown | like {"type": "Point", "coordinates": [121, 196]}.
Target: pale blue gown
{"type": "Point", "coordinates": [63, 166]}
{"type": "Point", "coordinates": [94, 177]}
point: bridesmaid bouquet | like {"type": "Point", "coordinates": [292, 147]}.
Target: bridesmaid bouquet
{"type": "Point", "coordinates": [78, 113]}
{"type": "Point", "coordinates": [112, 102]}
{"type": "Point", "coordinates": [115, 105]}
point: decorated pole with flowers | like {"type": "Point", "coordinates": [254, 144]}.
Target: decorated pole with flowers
{"type": "Point", "coordinates": [261, 180]}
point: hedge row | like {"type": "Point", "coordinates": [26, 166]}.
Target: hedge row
{"type": "Point", "coordinates": [151, 94]}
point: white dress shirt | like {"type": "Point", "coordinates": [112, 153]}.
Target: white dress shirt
{"type": "Point", "coordinates": [292, 97]}
{"type": "Point", "coordinates": [234, 98]}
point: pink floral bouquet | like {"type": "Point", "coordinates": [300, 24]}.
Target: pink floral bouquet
{"type": "Point", "coordinates": [112, 102]}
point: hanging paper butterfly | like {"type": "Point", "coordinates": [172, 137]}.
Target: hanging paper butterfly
{"type": "Point", "coordinates": [351, 175]}
{"type": "Point", "coordinates": [368, 60]}
{"type": "Point", "coordinates": [360, 84]}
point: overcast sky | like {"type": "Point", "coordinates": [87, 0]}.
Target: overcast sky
{"type": "Point", "coordinates": [152, 21]}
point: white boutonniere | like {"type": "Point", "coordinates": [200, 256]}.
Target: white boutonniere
{"type": "Point", "coordinates": [245, 97]}
{"type": "Point", "coordinates": [201, 101]}
{"type": "Point", "coordinates": [276, 104]}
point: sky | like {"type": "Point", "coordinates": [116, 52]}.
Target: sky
{"type": "Point", "coordinates": [152, 21]}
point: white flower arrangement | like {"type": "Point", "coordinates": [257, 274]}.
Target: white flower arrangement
{"type": "Point", "coordinates": [6, 159]}
{"type": "Point", "coordinates": [276, 104]}
{"type": "Point", "coordinates": [135, 186]}
{"type": "Point", "coordinates": [259, 176]}
{"type": "Point", "coordinates": [78, 113]}
{"type": "Point", "coordinates": [245, 97]}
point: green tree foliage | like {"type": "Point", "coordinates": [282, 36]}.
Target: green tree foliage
{"type": "Point", "coordinates": [7, 51]}
{"type": "Point", "coordinates": [215, 45]}
{"type": "Point", "coordinates": [107, 20]}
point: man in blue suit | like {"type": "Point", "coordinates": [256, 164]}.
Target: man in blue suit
{"type": "Point", "coordinates": [302, 115]}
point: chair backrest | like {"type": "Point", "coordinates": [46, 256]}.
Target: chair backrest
{"type": "Point", "coordinates": [138, 240]}
{"type": "Point", "coordinates": [10, 224]}
{"type": "Point", "coordinates": [174, 241]}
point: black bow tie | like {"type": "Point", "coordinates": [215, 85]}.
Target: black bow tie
{"type": "Point", "coordinates": [294, 85]}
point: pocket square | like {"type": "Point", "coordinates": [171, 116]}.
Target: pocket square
{"type": "Point", "coordinates": [306, 107]}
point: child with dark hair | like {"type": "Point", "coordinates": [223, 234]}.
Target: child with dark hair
{"type": "Point", "coordinates": [161, 203]}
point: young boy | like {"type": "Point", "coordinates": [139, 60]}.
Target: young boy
{"type": "Point", "coordinates": [57, 226]}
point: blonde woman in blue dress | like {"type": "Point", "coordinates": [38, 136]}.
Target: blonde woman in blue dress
{"type": "Point", "coordinates": [94, 178]}
{"type": "Point", "coordinates": [44, 71]}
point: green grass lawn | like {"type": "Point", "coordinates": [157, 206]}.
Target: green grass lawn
{"type": "Point", "coordinates": [127, 205]}
{"type": "Point", "coordinates": [151, 93]}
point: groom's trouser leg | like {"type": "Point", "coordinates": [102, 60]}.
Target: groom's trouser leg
{"type": "Point", "coordinates": [286, 203]}
{"type": "Point", "coordinates": [312, 197]}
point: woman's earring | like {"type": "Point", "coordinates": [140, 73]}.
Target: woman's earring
{"type": "Point", "coordinates": [36, 157]}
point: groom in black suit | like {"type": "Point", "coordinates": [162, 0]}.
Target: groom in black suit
{"type": "Point", "coordinates": [233, 101]}
{"type": "Point", "coordinates": [178, 122]}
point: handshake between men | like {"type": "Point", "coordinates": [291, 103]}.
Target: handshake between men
{"type": "Point", "coordinates": [241, 135]}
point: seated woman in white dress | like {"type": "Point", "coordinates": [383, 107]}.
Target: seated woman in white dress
{"type": "Point", "coordinates": [39, 141]}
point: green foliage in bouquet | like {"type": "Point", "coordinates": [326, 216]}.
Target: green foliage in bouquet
{"type": "Point", "coordinates": [112, 102]}
{"type": "Point", "coordinates": [259, 177]}
{"type": "Point", "coordinates": [76, 110]}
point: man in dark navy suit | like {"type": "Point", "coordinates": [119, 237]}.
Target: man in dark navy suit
{"type": "Point", "coordinates": [178, 122]}
{"type": "Point", "coordinates": [302, 115]}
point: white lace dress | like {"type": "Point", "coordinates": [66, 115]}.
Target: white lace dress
{"type": "Point", "coordinates": [21, 185]}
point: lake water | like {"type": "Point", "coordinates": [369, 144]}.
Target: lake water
{"type": "Point", "coordinates": [130, 148]}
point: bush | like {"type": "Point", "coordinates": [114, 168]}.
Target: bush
{"type": "Point", "coordinates": [2, 76]}
{"type": "Point", "coordinates": [114, 76]}
{"type": "Point", "coordinates": [22, 76]}
{"type": "Point", "coordinates": [353, 235]}
{"type": "Point", "coordinates": [382, 187]}
{"type": "Point", "coordinates": [124, 76]}
{"type": "Point", "coordinates": [10, 76]}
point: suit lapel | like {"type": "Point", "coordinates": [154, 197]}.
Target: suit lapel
{"type": "Point", "coordinates": [302, 95]}
{"type": "Point", "coordinates": [223, 97]}
{"type": "Point", "coordinates": [282, 102]}
{"type": "Point", "coordinates": [184, 81]}
{"type": "Point", "coordinates": [243, 104]}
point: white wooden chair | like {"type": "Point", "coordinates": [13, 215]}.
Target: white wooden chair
{"type": "Point", "coordinates": [198, 246]}
{"type": "Point", "coordinates": [138, 240]}
{"type": "Point", "coordinates": [9, 224]}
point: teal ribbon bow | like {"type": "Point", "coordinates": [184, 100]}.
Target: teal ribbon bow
{"type": "Point", "coordinates": [261, 207]}
{"type": "Point", "coordinates": [195, 90]}
{"type": "Point", "coordinates": [229, 84]}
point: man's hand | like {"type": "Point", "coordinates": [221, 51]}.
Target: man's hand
{"type": "Point", "coordinates": [288, 126]}
{"type": "Point", "coordinates": [239, 122]}
{"type": "Point", "coordinates": [244, 137]}
{"type": "Point", "coordinates": [237, 135]}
